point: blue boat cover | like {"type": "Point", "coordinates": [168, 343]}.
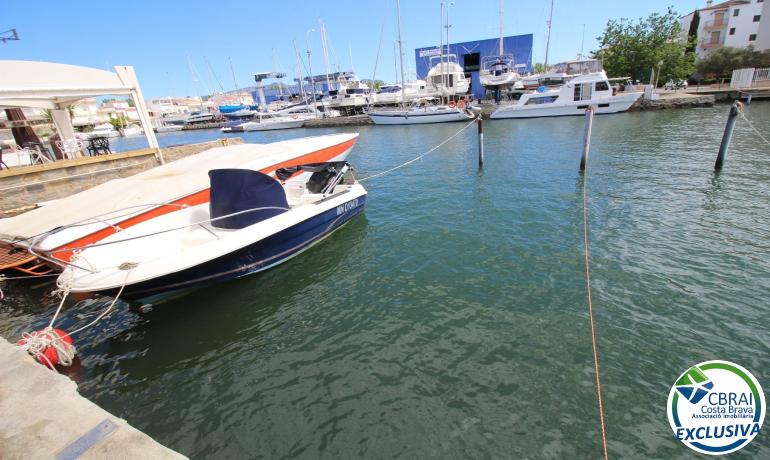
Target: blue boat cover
{"type": "Point", "coordinates": [239, 190]}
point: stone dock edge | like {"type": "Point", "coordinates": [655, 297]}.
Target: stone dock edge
{"type": "Point", "coordinates": [43, 416]}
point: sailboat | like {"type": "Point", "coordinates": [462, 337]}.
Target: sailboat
{"type": "Point", "coordinates": [499, 71]}
{"type": "Point", "coordinates": [420, 112]}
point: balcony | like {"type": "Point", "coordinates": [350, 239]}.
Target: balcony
{"type": "Point", "coordinates": [711, 42]}
{"type": "Point", "coordinates": [716, 25]}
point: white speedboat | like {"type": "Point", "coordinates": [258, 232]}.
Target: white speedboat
{"type": "Point", "coordinates": [421, 114]}
{"type": "Point", "coordinates": [269, 122]}
{"type": "Point", "coordinates": [56, 230]}
{"type": "Point", "coordinates": [571, 98]}
{"type": "Point", "coordinates": [253, 222]}
{"type": "Point", "coordinates": [168, 128]}
{"type": "Point", "coordinates": [199, 117]}
{"type": "Point", "coordinates": [103, 130]}
{"type": "Point", "coordinates": [132, 130]}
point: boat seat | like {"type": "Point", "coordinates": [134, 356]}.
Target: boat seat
{"type": "Point", "coordinates": [237, 193]}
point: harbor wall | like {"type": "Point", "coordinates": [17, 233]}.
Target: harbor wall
{"type": "Point", "coordinates": [45, 417]}
{"type": "Point", "coordinates": [22, 189]}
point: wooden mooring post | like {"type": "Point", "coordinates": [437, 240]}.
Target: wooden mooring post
{"type": "Point", "coordinates": [587, 137]}
{"type": "Point", "coordinates": [728, 134]}
{"type": "Point", "coordinates": [481, 141]}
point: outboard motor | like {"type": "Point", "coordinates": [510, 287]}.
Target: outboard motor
{"type": "Point", "coordinates": [241, 192]}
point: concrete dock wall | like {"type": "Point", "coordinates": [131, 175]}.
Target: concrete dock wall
{"type": "Point", "coordinates": [43, 416]}
{"type": "Point", "coordinates": [22, 188]}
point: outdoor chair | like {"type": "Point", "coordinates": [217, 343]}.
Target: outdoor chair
{"type": "Point", "coordinates": [71, 148]}
{"type": "Point", "coordinates": [38, 153]}
{"type": "Point", "coordinates": [99, 146]}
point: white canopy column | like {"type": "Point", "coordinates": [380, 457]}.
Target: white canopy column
{"type": "Point", "coordinates": [61, 118]}
{"type": "Point", "coordinates": [128, 77]}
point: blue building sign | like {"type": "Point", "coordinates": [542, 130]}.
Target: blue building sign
{"type": "Point", "coordinates": [470, 54]}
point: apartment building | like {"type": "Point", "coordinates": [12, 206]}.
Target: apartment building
{"type": "Point", "coordinates": [734, 23]}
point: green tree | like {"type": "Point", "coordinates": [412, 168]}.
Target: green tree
{"type": "Point", "coordinates": [539, 67]}
{"type": "Point", "coordinates": [119, 122]}
{"type": "Point", "coordinates": [631, 49]}
{"type": "Point", "coordinates": [721, 62]}
{"type": "Point", "coordinates": [374, 85]}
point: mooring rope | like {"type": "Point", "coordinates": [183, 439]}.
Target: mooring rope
{"type": "Point", "coordinates": [38, 342]}
{"type": "Point", "coordinates": [751, 125]}
{"type": "Point", "coordinates": [422, 155]}
{"type": "Point", "coordinates": [594, 344]}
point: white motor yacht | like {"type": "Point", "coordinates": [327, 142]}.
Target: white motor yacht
{"type": "Point", "coordinates": [570, 98]}
{"type": "Point", "coordinates": [269, 122]}
{"type": "Point", "coordinates": [446, 77]}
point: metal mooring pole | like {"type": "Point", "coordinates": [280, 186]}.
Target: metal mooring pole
{"type": "Point", "coordinates": [481, 142]}
{"type": "Point", "coordinates": [587, 137]}
{"type": "Point", "coordinates": [728, 134]}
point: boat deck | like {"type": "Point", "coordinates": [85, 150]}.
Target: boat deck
{"type": "Point", "coordinates": [20, 260]}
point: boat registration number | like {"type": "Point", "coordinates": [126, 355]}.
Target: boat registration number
{"type": "Point", "coordinates": [343, 208]}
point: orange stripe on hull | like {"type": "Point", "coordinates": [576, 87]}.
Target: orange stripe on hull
{"type": "Point", "coordinates": [194, 199]}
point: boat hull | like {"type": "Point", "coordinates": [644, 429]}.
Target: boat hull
{"type": "Point", "coordinates": [612, 104]}
{"type": "Point", "coordinates": [255, 126]}
{"type": "Point", "coordinates": [257, 257]}
{"type": "Point", "coordinates": [402, 118]}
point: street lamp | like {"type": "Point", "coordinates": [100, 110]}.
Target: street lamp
{"type": "Point", "coordinates": [310, 69]}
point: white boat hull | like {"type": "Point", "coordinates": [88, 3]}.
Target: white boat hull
{"type": "Point", "coordinates": [418, 117]}
{"type": "Point", "coordinates": [269, 126]}
{"type": "Point", "coordinates": [612, 104]}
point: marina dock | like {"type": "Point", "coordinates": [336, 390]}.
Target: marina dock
{"type": "Point", "coordinates": [45, 417]}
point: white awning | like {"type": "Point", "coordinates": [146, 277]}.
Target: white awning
{"type": "Point", "coordinates": [50, 85]}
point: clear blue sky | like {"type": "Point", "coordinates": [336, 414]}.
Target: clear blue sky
{"type": "Point", "coordinates": [157, 36]}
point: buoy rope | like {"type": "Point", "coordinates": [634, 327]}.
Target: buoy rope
{"type": "Point", "coordinates": [36, 343]}
{"type": "Point", "coordinates": [436, 147]}
{"type": "Point", "coordinates": [594, 344]}
{"type": "Point", "coordinates": [751, 125]}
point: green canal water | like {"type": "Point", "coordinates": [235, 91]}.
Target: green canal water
{"type": "Point", "coordinates": [450, 320]}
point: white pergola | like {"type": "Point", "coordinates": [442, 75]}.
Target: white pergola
{"type": "Point", "coordinates": [53, 86]}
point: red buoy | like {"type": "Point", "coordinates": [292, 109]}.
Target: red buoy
{"type": "Point", "coordinates": [49, 346]}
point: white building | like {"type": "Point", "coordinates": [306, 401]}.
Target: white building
{"type": "Point", "coordinates": [763, 35]}
{"type": "Point", "coordinates": [734, 23]}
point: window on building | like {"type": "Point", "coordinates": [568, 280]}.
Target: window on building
{"type": "Point", "coordinates": [752, 37]}
{"type": "Point", "coordinates": [736, 12]}
{"type": "Point", "coordinates": [471, 62]}
{"type": "Point", "coordinates": [732, 30]}
{"type": "Point", "coordinates": [756, 18]}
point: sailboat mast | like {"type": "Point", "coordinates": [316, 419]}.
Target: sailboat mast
{"type": "Point", "coordinates": [500, 51]}
{"type": "Point", "coordinates": [325, 47]}
{"type": "Point", "coordinates": [232, 70]}
{"type": "Point", "coordinates": [446, 85]}
{"type": "Point", "coordinates": [400, 48]}
{"type": "Point", "coordinates": [441, 46]}
{"type": "Point", "coordinates": [548, 40]}
{"type": "Point", "coordinates": [298, 65]}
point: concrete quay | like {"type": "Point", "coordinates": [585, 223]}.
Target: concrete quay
{"type": "Point", "coordinates": [44, 417]}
